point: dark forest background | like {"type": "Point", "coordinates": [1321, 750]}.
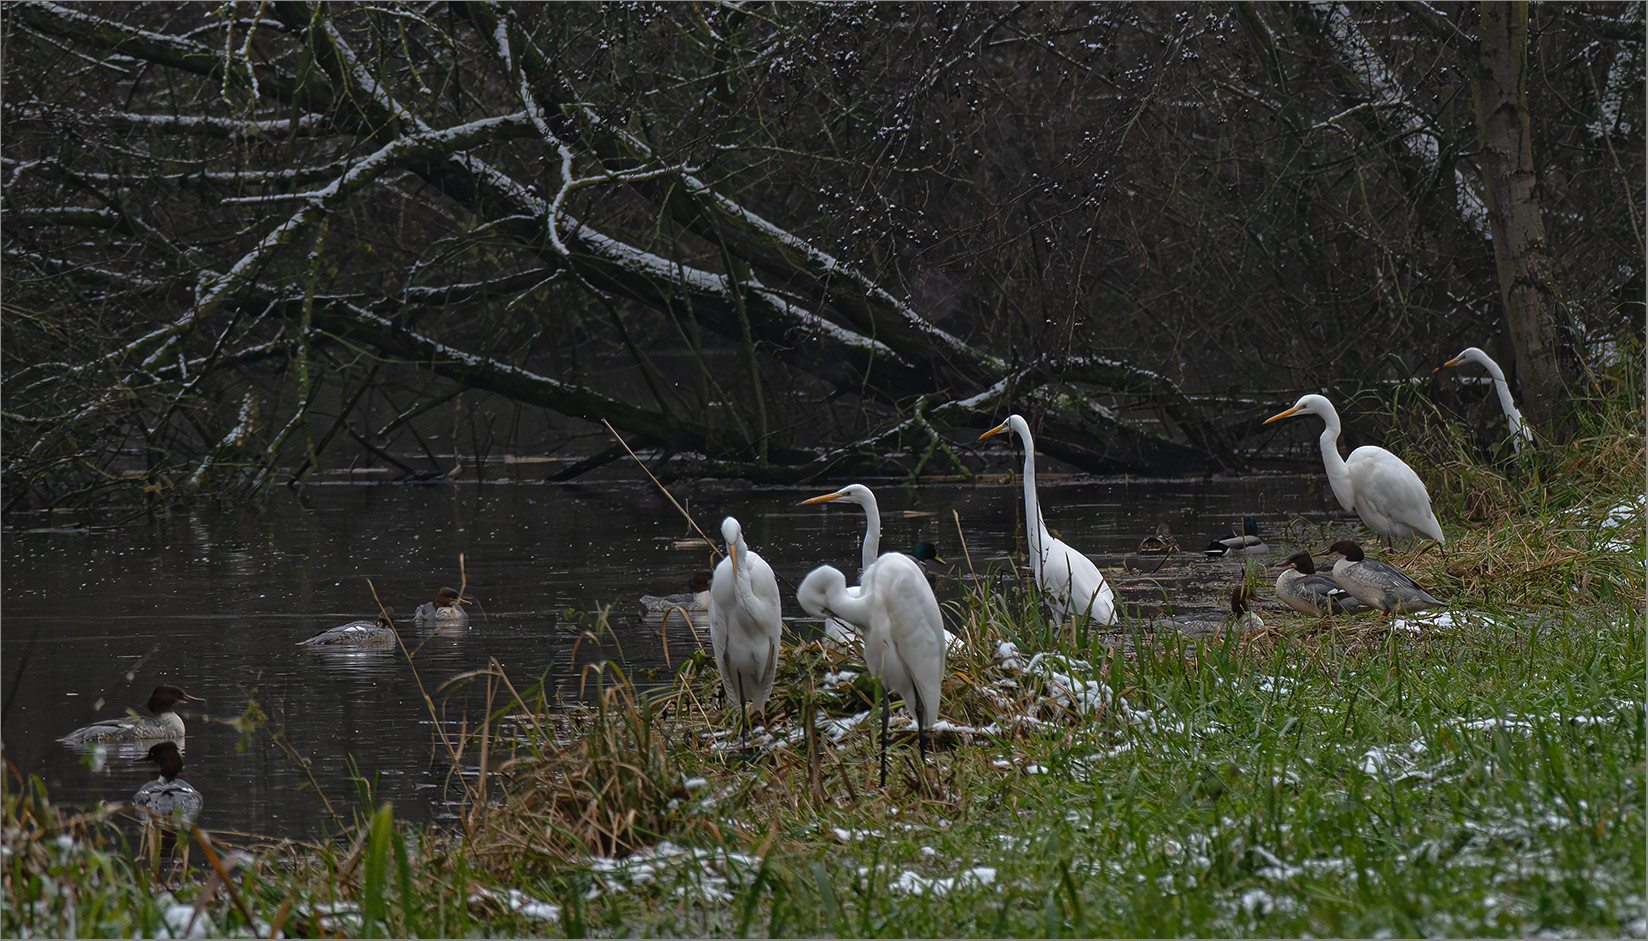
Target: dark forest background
{"type": "Point", "coordinates": [246, 242]}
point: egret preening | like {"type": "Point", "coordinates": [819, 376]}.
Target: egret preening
{"type": "Point", "coordinates": [1521, 434]}
{"type": "Point", "coordinates": [1308, 591]}
{"type": "Point", "coordinates": [841, 631]}
{"type": "Point", "coordinates": [1377, 584]}
{"type": "Point", "coordinates": [903, 633]}
{"type": "Point", "coordinates": [745, 622]}
{"type": "Point", "coordinates": [1074, 584]}
{"type": "Point", "coordinates": [1374, 484]}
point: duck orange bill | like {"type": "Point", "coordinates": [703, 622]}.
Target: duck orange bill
{"type": "Point", "coordinates": [994, 431]}
{"type": "Point", "coordinates": [1281, 415]}
{"type": "Point", "coordinates": [188, 698]}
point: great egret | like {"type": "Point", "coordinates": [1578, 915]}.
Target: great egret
{"type": "Point", "coordinates": [695, 598]}
{"type": "Point", "coordinates": [1071, 579]}
{"type": "Point", "coordinates": [445, 611]}
{"type": "Point", "coordinates": [1375, 484]}
{"type": "Point", "coordinates": [903, 632]}
{"type": "Point", "coordinates": [1521, 434]}
{"type": "Point", "coordinates": [1308, 591]}
{"type": "Point", "coordinates": [1377, 584]}
{"type": "Point", "coordinates": [379, 632]}
{"type": "Point", "coordinates": [167, 799]}
{"type": "Point", "coordinates": [843, 632]}
{"type": "Point", "coordinates": [1247, 541]}
{"type": "Point", "coordinates": [163, 722]}
{"type": "Point", "coordinates": [746, 621]}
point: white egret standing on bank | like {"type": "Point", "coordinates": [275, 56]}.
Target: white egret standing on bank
{"type": "Point", "coordinates": [1075, 585]}
{"type": "Point", "coordinates": [745, 622]}
{"type": "Point", "coordinates": [903, 633]}
{"type": "Point", "coordinates": [1374, 484]}
{"type": "Point", "coordinates": [1521, 434]}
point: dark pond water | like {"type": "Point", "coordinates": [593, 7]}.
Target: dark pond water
{"type": "Point", "coordinates": [215, 599]}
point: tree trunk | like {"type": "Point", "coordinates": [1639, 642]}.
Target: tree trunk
{"type": "Point", "coordinates": [1546, 360]}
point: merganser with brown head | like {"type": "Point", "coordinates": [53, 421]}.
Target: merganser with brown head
{"type": "Point", "coordinates": [1377, 584]}
{"type": "Point", "coordinates": [163, 722]}
{"type": "Point", "coordinates": [167, 798]}
{"type": "Point", "coordinates": [445, 611]}
{"type": "Point", "coordinates": [363, 633]}
{"type": "Point", "coordinates": [1308, 591]}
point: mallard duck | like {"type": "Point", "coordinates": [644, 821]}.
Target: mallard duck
{"type": "Point", "coordinates": [1162, 543]}
{"type": "Point", "coordinates": [1247, 541]}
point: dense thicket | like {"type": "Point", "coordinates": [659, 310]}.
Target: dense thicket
{"type": "Point", "coordinates": [243, 240]}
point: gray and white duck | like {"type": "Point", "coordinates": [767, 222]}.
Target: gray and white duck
{"type": "Point", "coordinates": [1377, 584]}
{"type": "Point", "coordinates": [357, 634]}
{"type": "Point", "coordinates": [445, 611]}
{"type": "Point", "coordinates": [1308, 591]}
{"type": "Point", "coordinates": [163, 722]}
{"type": "Point", "coordinates": [168, 799]}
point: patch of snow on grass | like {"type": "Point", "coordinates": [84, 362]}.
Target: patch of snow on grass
{"type": "Point", "coordinates": [913, 883]}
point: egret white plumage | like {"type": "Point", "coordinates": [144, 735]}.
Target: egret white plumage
{"type": "Point", "coordinates": [843, 632]}
{"type": "Point", "coordinates": [1521, 434]}
{"type": "Point", "coordinates": [903, 632]}
{"type": "Point", "coordinates": [1074, 583]}
{"type": "Point", "coordinates": [746, 620]}
{"type": "Point", "coordinates": [1377, 584]}
{"type": "Point", "coordinates": [1373, 483]}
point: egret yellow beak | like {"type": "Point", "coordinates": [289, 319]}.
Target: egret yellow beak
{"type": "Point", "coordinates": [824, 498]}
{"type": "Point", "coordinates": [994, 431]}
{"type": "Point", "coordinates": [732, 553]}
{"type": "Point", "coordinates": [1281, 415]}
{"type": "Point", "coordinates": [1454, 361]}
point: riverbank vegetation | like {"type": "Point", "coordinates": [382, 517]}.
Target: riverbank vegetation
{"type": "Point", "coordinates": [1479, 772]}
{"type": "Point", "coordinates": [257, 244]}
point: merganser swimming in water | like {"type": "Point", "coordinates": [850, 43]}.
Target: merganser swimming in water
{"type": "Point", "coordinates": [444, 611]}
{"type": "Point", "coordinates": [378, 633]}
{"type": "Point", "coordinates": [1377, 584]}
{"type": "Point", "coordinates": [696, 598]}
{"type": "Point", "coordinates": [1248, 541]}
{"type": "Point", "coordinates": [1311, 592]}
{"type": "Point", "coordinates": [170, 800]}
{"type": "Point", "coordinates": [163, 723]}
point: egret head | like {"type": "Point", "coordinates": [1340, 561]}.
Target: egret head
{"type": "Point", "coordinates": [852, 493]}
{"type": "Point", "coordinates": [734, 535]}
{"type": "Point", "coordinates": [1013, 423]}
{"type": "Point", "coordinates": [816, 589]}
{"type": "Point", "coordinates": [1311, 404]}
{"type": "Point", "coordinates": [1469, 354]}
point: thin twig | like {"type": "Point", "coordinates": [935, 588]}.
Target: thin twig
{"type": "Point", "coordinates": [690, 521]}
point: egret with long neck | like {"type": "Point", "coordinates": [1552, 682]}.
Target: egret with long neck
{"type": "Point", "coordinates": [1374, 484]}
{"type": "Point", "coordinates": [1521, 434]}
{"type": "Point", "coordinates": [1072, 582]}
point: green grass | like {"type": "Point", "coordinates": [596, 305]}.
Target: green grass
{"type": "Point", "coordinates": [1324, 778]}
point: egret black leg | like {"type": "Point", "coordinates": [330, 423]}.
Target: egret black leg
{"type": "Point", "coordinates": [886, 714]}
{"type": "Point", "coordinates": [743, 710]}
{"type": "Point", "coordinates": [921, 738]}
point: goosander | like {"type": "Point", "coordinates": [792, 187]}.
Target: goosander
{"type": "Point", "coordinates": [363, 633]}
{"type": "Point", "coordinates": [1248, 541]}
{"type": "Point", "coordinates": [1377, 584]}
{"type": "Point", "coordinates": [696, 598]}
{"type": "Point", "coordinates": [168, 799]}
{"type": "Point", "coordinates": [1204, 624]}
{"type": "Point", "coordinates": [444, 611]}
{"type": "Point", "coordinates": [1310, 592]}
{"type": "Point", "coordinates": [163, 723]}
